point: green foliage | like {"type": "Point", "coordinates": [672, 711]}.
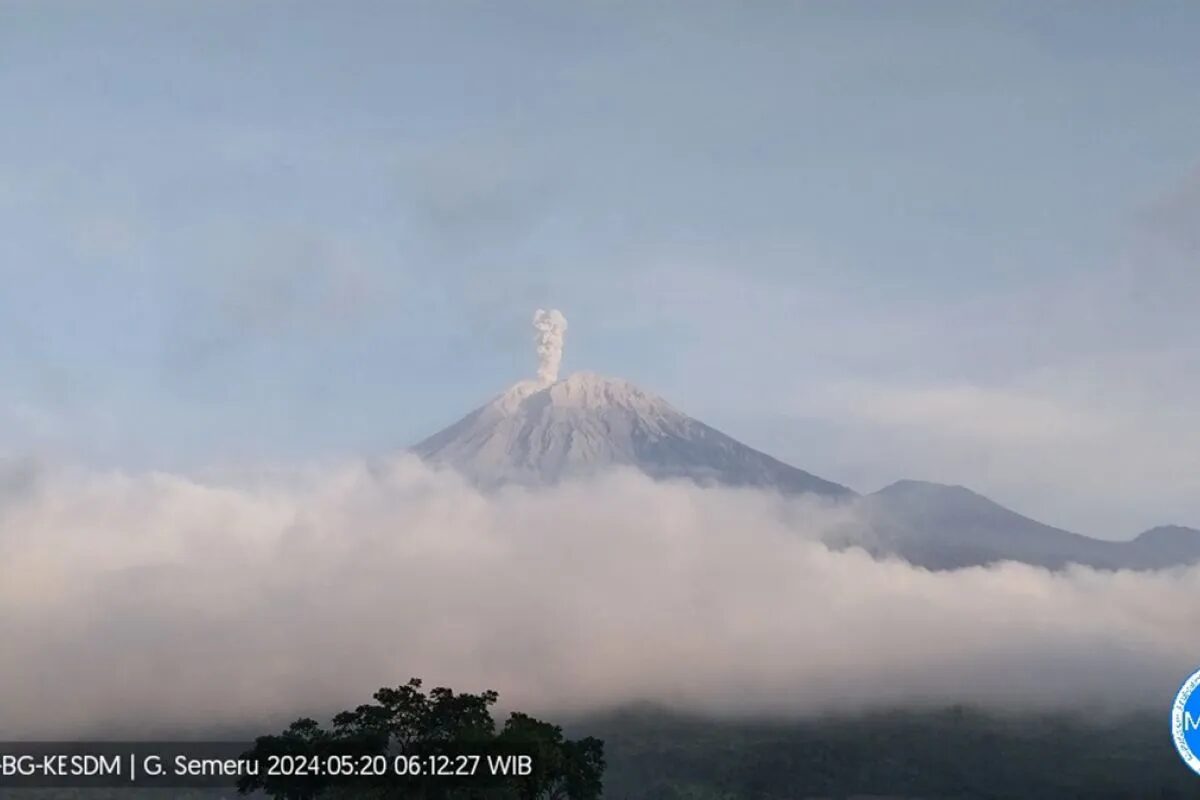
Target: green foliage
{"type": "Point", "coordinates": [410, 723]}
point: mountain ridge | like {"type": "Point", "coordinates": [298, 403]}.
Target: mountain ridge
{"type": "Point", "coordinates": [945, 526]}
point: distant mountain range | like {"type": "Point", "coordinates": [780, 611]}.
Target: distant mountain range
{"type": "Point", "coordinates": [542, 433]}
{"type": "Point", "coordinates": [945, 527]}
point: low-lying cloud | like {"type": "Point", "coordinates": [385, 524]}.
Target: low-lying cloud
{"type": "Point", "coordinates": [164, 601]}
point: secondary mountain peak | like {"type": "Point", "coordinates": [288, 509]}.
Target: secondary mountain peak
{"type": "Point", "coordinates": [944, 527]}
{"type": "Point", "coordinates": [914, 488]}
{"type": "Point", "coordinates": [1171, 533]}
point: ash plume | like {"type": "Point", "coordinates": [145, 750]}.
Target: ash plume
{"type": "Point", "coordinates": [551, 327]}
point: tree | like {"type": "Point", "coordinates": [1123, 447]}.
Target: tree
{"type": "Point", "coordinates": [437, 745]}
{"type": "Point", "coordinates": [562, 768]}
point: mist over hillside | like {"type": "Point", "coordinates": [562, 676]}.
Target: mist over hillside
{"type": "Point", "coordinates": [316, 585]}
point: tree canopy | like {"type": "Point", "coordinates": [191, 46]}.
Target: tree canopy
{"type": "Point", "coordinates": [437, 745]}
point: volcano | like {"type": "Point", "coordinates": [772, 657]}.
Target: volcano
{"type": "Point", "coordinates": [540, 433]}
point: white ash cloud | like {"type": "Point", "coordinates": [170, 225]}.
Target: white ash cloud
{"type": "Point", "coordinates": [551, 327]}
{"type": "Point", "coordinates": [161, 600]}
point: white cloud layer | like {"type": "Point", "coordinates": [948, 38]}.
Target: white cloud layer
{"type": "Point", "coordinates": [159, 600]}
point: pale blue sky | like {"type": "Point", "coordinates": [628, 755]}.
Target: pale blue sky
{"type": "Point", "coordinates": [952, 241]}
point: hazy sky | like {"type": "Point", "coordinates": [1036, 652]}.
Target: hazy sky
{"type": "Point", "coordinates": [955, 241]}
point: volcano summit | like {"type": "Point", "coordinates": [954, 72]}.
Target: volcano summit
{"type": "Point", "coordinates": [543, 431]}
{"type": "Point", "coordinates": [537, 434]}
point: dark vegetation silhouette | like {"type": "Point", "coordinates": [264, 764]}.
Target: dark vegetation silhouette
{"type": "Point", "coordinates": [435, 745]}
{"type": "Point", "coordinates": [648, 752]}
{"type": "Point", "coordinates": [948, 754]}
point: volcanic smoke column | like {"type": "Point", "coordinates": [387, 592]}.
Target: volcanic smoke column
{"type": "Point", "coordinates": [551, 327]}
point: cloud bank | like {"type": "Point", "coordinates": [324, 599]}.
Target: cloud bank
{"type": "Point", "coordinates": [134, 600]}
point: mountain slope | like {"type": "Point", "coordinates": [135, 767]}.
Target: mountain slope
{"type": "Point", "coordinates": [537, 433]}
